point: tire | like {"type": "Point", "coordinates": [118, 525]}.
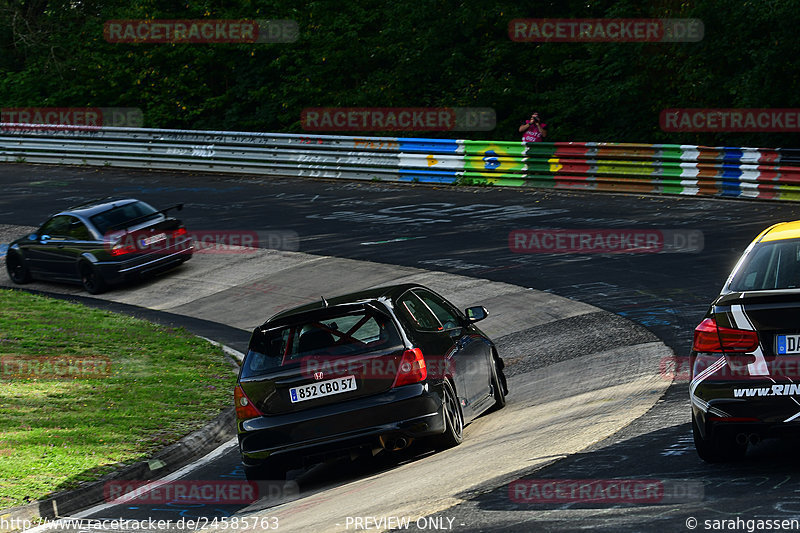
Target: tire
{"type": "Point", "coordinates": [718, 448]}
{"type": "Point", "coordinates": [268, 471]}
{"type": "Point", "coordinates": [17, 270]}
{"type": "Point", "coordinates": [91, 279]}
{"type": "Point", "coordinates": [498, 389]}
{"type": "Point", "coordinates": [453, 419]}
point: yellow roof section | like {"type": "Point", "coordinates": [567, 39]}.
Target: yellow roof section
{"type": "Point", "coordinates": [784, 230]}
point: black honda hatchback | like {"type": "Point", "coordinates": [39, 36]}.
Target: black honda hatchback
{"type": "Point", "coordinates": [365, 372]}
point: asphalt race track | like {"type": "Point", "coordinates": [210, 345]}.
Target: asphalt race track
{"type": "Point", "coordinates": [465, 231]}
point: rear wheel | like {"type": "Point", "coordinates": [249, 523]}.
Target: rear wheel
{"type": "Point", "coordinates": [16, 268]}
{"type": "Point", "coordinates": [716, 448]}
{"type": "Point", "coordinates": [91, 279]}
{"type": "Point", "coordinates": [453, 419]}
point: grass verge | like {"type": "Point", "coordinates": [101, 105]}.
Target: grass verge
{"type": "Point", "coordinates": [85, 391]}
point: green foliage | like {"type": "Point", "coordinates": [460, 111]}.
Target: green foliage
{"type": "Point", "coordinates": [439, 53]}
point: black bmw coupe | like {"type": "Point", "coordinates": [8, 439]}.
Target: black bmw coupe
{"type": "Point", "coordinates": [100, 243]}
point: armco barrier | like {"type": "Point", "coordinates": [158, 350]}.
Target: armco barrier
{"type": "Point", "coordinates": [620, 167]}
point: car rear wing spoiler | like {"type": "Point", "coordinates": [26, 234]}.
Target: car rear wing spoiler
{"type": "Point", "coordinates": [323, 313]}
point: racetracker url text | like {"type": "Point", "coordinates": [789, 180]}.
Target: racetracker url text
{"type": "Point", "coordinates": [146, 525]}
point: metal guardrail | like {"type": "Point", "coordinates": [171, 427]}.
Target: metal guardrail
{"type": "Point", "coordinates": [621, 167]}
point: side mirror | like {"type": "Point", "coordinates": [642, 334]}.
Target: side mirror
{"type": "Point", "coordinates": [474, 314]}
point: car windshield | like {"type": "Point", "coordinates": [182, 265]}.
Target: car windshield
{"type": "Point", "coordinates": [119, 217]}
{"type": "Point", "coordinates": [338, 335]}
{"type": "Point", "coordinates": [768, 266]}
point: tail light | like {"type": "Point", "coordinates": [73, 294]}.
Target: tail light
{"type": "Point", "coordinates": [181, 238]}
{"type": "Point", "coordinates": [412, 368]}
{"type": "Point", "coordinates": [245, 410]}
{"type": "Point", "coordinates": [708, 337]}
{"type": "Point", "coordinates": [121, 249]}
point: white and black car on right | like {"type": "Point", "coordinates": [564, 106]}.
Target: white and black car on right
{"type": "Point", "coordinates": [745, 360]}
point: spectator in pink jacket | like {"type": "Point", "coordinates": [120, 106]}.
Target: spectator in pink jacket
{"type": "Point", "coordinates": [533, 130]}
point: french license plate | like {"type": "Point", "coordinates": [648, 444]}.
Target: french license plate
{"type": "Point", "coordinates": [322, 388]}
{"type": "Point", "coordinates": [787, 344]}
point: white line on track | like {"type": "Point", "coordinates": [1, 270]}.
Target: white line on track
{"type": "Point", "coordinates": [210, 456]}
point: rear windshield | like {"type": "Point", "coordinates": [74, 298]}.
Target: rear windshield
{"type": "Point", "coordinates": [118, 217]}
{"type": "Point", "coordinates": [346, 334]}
{"type": "Point", "coordinates": [769, 266]}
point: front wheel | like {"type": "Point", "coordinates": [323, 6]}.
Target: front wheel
{"type": "Point", "coordinates": [91, 279]}
{"type": "Point", "coordinates": [497, 389]}
{"type": "Point", "coordinates": [17, 270]}
{"type": "Point", "coordinates": [453, 419]}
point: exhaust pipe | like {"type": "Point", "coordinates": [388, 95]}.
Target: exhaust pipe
{"type": "Point", "coordinates": [754, 438]}
{"type": "Point", "coordinates": [395, 444]}
{"type": "Point", "coordinates": [741, 439]}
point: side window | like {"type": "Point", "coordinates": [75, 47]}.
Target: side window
{"type": "Point", "coordinates": [78, 230]}
{"type": "Point", "coordinates": [419, 314]}
{"type": "Point", "coordinates": [265, 352]}
{"type": "Point", "coordinates": [57, 227]}
{"type": "Point", "coordinates": [443, 311]}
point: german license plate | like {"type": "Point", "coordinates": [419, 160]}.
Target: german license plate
{"type": "Point", "coordinates": [787, 344]}
{"type": "Point", "coordinates": [153, 239]}
{"type": "Point", "coordinates": [322, 388]}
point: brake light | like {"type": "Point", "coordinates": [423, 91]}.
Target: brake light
{"type": "Point", "coordinates": [412, 368]}
{"type": "Point", "coordinates": [180, 231]}
{"type": "Point", "coordinates": [708, 337]}
{"type": "Point", "coordinates": [122, 249]}
{"type": "Point", "coordinates": [245, 410]}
